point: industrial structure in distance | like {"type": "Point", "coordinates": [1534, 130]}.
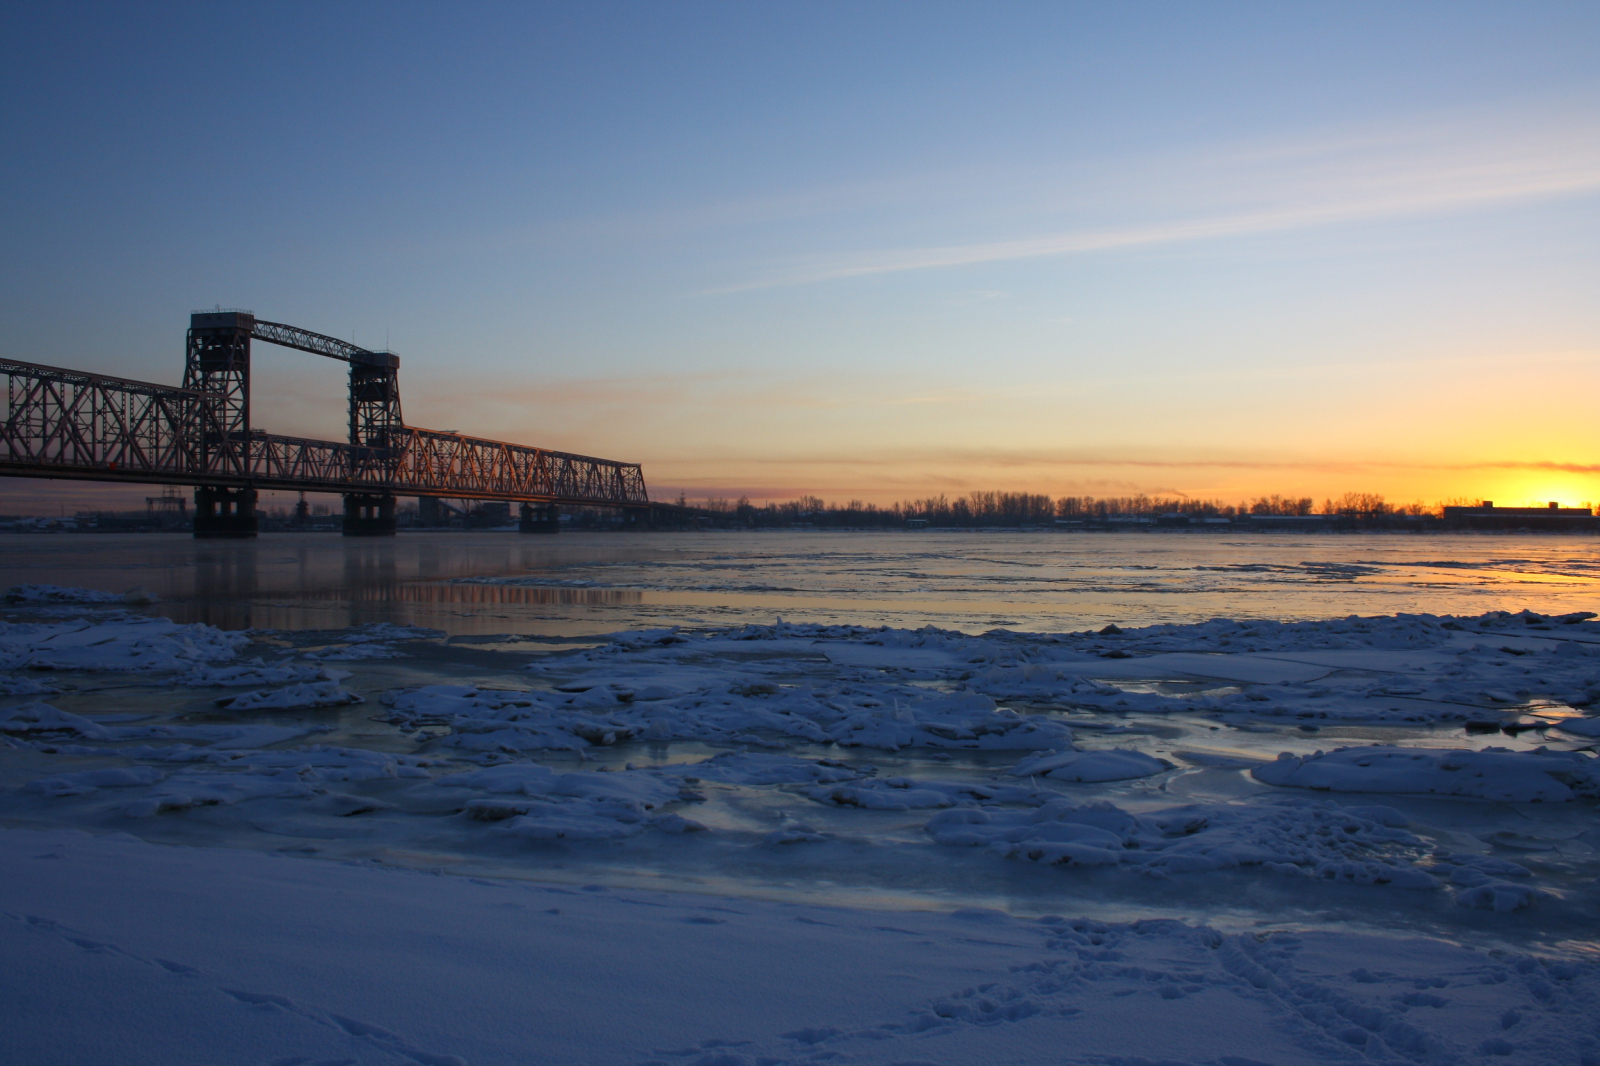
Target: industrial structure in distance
{"type": "Point", "coordinates": [63, 423]}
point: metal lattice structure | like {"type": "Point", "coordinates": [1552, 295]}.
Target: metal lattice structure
{"type": "Point", "coordinates": [65, 420]}
{"type": "Point", "coordinates": [374, 378]}
{"type": "Point", "coordinates": [61, 423]}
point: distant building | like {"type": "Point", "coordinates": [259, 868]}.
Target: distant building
{"type": "Point", "coordinates": [1302, 523]}
{"type": "Point", "coordinates": [1553, 517]}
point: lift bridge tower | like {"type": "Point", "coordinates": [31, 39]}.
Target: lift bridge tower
{"type": "Point", "coordinates": [218, 364]}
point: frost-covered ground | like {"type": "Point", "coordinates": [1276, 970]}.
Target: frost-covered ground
{"type": "Point", "coordinates": [1230, 842]}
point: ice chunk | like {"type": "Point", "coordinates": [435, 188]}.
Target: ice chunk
{"type": "Point", "coordinates": [1583, 727]}
{"type": "Point", "coordinates": [1115, 764]}
{"type": "Point", "coordinates": [197, 788]}
{"type": "Point", "coordinates": [354, 653]}
{"type": "Point", "coordinates": [386, 631]}
{"type": "Point", "coordinates": [43, 718]}
{"type": "Point", "coordinates": [124, 643]}
{"type": "Point", "coordinates": [58, 594]}
{"type": "Point", "coordinates": [1494, 773]}
{"type": "Point", "coordinates": [24, 686]}
{"type": "Point", "coordinates": [1500, 896]}
{"type": "Point", "coordinates": [881, 796]}
{"type": "Point", "coordinates": [1308, 839]}
{"type": "Point", "coordinates": [257, 672]}
{"type": "Point", "coordinates": [866, 715]}
{"type": "Point", "coordinates": [86, 781]}
{"type": "Point", "coordinates": [533, 801]}
{"type": "Point", "coordinates": [295, 697]}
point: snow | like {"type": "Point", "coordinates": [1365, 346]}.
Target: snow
{"type": "Point", "coordinates": [863, 715]}
{"type": "Point", "coordinates": [1495, 774]}
{"type": "Point", "coordinates": [386, 631]}
{"type": "Point", "coordinates": [1113, 765]}
{"type": "Point", "coordinates": [355, 653]}
{"type": "Point", "coordinates": [540, 804]}
{"type": "Point", "coordinates": [24, 686]}
{"type": "Point", "coordinates": [45, 719]}
{"type": "Point", "coordinates": [216, 737]}
{"type": "Point", "coordinates": [1325, 841]}
{"type": "Point", "coordinates": [361, 964]}
{"type": "Point", "coordinates": [1436, 774]}
{"type": "Point", "coordinates": [311, 694]}
{"type": "Point", "coordinates": [1406, 668]}
{"type": "Point", "coordinates": [121, 643]}
{"type": "Point", "coordinates": [1583, 727]}
{"type": "Point", "coordinates": [57, 594]}
{"type": "Point", "coordinates": [257, 672]}
{"type": "Point", "coordinates": [86, 781]}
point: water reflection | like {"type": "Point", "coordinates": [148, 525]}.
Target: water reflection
{"type": "Point", "coordinates": [593, 583]}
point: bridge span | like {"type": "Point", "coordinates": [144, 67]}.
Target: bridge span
{"type": "Point", "coordinates": [61, 423]}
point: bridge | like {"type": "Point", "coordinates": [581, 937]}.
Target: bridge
{"type": "Point", "coordinates": [61, 423]}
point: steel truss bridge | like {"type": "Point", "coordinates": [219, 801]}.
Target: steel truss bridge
{"type": "Point", "coordinates": [61, 423]}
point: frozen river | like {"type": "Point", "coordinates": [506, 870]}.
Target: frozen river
{"type": "Point", "coordinates": [1119, 727]}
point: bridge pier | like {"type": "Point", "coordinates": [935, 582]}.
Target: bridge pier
{"type": "Point", "coordinates": [539, 519]}
{"type": "Point", "coordinates": [224, 513]}
{"type": "Point", "coordinates": [368, 515]}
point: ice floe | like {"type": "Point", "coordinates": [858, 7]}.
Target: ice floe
{"type": "Point", "coordinates": [861, 715]}
{"type": "Point", "coordinates": [538, 803]}
{"type": "Point", "coordinates": [354, 653]}
{"type": "Point", "coordinates": [294, 697]}
{"type": "Point", "coordinates": [1322, 840]}
{"type": "Point", "coordinates": [1494, 774]}
{"type": "Point", "coordinates": [41, 718]}
{"type": "Point", "coordinates": [1406, 668]}
{"type": "Point", "coordinates": [226, 778]}
{"type": "Point", "coordinates": [84, 782]}
{"type": "Point", "coordinates": [126, 643]}
{"type": "Point", "coordinates": [58, 594]}
{"type": "Point", "coordinates": [387, 631]}
{"type": "Point", "coordinates": [772, 736]}
{"type": "Point", "coordinates": [257, 672]}
{"type": "Point", "coordinates": [1115, 764]}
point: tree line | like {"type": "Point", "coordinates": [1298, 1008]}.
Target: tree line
{"type": "Point", "coordinates": [1002, 509]}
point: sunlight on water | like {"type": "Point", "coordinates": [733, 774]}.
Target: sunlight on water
{"type": "Point", "coordinates": [594, 583]}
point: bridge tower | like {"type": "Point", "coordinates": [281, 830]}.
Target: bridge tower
{"type": "Point", "coordinates": [218, 364]}
{"type": "Point", "coordinates": [375, 432]}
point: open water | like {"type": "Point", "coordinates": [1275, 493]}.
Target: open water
{"type": "Point", "coordinates": [587, 583]}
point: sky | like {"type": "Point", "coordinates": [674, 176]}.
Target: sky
{"type": "Point", "coordinates": [859, 251]}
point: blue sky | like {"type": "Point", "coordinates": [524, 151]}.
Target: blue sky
{"type": "Point", "coordinates": [857, 250]}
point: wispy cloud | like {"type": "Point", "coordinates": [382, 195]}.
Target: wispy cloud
{"type": "Point", "coordinates": [1342, 178]}
{"type": "Point", "coordinates": [1054, 459]}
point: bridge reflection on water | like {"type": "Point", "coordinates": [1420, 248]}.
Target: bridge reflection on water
{"type": "Point", "coordinates": [325, 581]}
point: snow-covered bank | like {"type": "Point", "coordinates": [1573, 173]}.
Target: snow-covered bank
{"type": "Point", "coordinates": [126, 952]}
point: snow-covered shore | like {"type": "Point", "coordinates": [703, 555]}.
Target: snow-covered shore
{"type": "Point", "coordinates": [127, 952]}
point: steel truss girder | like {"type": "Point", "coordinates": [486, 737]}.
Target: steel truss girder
{"type": "Point", "coordinates": [61, 423]}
